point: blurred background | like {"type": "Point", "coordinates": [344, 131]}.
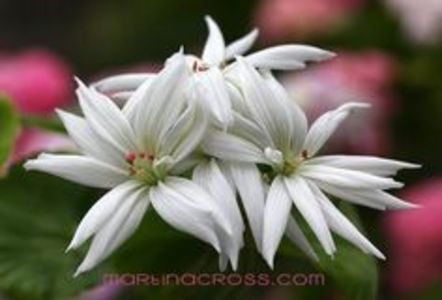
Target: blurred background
{"type": "Point", "coordinates": [389, 54]}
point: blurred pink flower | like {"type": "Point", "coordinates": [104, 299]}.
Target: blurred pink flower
{"type": "Point", "coordinates": [37, 82]}
{"type": "Point", "coordinates": [102, 292]}
{"type": "Point", "coordinates": [416, 239]}
{"type": "Point", "coordinates": [32, 141]}
{"type": "Point", "coordinates": [283, 19]}
{"type": "Point", "coordinates": [366, 77]}
{"type": "Point", "coordinates": [422, 20]}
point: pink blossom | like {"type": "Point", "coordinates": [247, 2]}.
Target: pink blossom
{"type": "Point", "coordinates": [366, 77]}
{"type": "Point", "coordinates": [37, 82]}
{"type": "Point", "coordinates": [416, 239]}
{"type": "Point", "coordinates": [32, 141]}
{"type": "Point", "coordinates": [422, 20]}
{"type": "Point", "coordinates": [283, 19]}
{"type": "Point", "coordinates": [102, 292]}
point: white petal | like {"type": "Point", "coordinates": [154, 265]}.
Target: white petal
{"type": "Point", "coordinates": [137, 99]}
{"type": "Point", "coordinates": [325, 126]}
{"type": "Point", "coordinates": [342, 226]}
{"type": "Point", "coordinates": [287, 57]}
{"type": "Point", "coordinates": [121, 97]}
{"type": "Point", "coordinates": [80, 169]}
{"type": "Point", "coordinates": [295, 234]}
{"type": "Point", "coordinates": [232, 148]}
{"type": "Point", "coordinates": [183, 214]}
{"type": "Point", "coordinates": [116, 231]}
{"type": "Point", "coordinates": [106, 119]}
{"type": "Point", "coordinates": [241, 45]}
{"type": "Point", "coordinates": [265, 106]}
{"type": "Point", "coordinates": [199, 197]}
{"type": "Point", "coordinates": [187, 133]}
{"type": "Point", "coordinates": [376, 199]}
{"type": "Point", "coordinates": [165, 94]}
{"type": "Point", "coordinates": [276, 215]}
{"type": "Point", "coordinates": [250, 131]}
{"type": "Point", "coordinates": [209, 176]}
{"type": "Point", "coordinates": [124, 82]}
{"type": "Point", "coordinates": [343, 178]}
{"type": "Point", "coordinates": [297, 118]}
{"type": "Point", "coordinates": [351, 195]}
{"type": "Point", "coordinates": [370, 164]}
{"type": "Point", "coordinates": [90, 142]}
{"type": "Point", "coordinates": [248, 182]}
{"type": "Point", "coordinates": [309, 208]}
{"type": "Point", "coordinates": [212, 89]}
{"type": "Point", "coordinates": [214, 48]}
{"type": "Point", "coordinates": [102, 211]}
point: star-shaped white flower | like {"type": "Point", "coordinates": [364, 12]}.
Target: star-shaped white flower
{"type": "Point", "coordinates": [212, 68]}
{"type": "Point", "coordinates": [271, 130]}
{"type": "Point", "coordinates": [135, 151]}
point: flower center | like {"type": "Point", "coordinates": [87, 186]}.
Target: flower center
{"type": "Point", "coordinates": [291, 163]}
{"type": "Point", "coordinates": [142, 168]}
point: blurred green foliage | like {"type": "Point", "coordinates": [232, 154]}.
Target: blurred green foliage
{"type": "Point", "coordinates": [9, 129]}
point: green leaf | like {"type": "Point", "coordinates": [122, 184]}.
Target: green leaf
{"type": "Point", "coordinates": [38, 215]}
{"type": "Point", "coordinates": [9, 128]}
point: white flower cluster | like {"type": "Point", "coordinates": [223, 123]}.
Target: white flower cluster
{"type": "Point", "coordinates": [202, 138]}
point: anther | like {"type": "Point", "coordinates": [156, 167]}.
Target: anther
{"type": "Point", "coordinates": [304, 154]}
{"type": "Point", "coordinates": [130, 157]}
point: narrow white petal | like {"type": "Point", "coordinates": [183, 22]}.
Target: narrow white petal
{"type": "Point", "coordinates": [352, 195]}
{"type": "Point", "coordinates": [232, 148]}
{"type": "Point", "coordinates": [250, 131]}
{"type": "Point", "coordinates": [124, 82]}
{"type": "Point", "coordinates": [370, 164]}
{"type": "Point", "coordinates": [106, 119]}
{"type": "Point", "coordinates": [212, 89]}
{"type": "Point", "coordinates": [343, 178]}
{"type": "Point", "coordinates": [165, 94]}
{"type": "Point", "coordinates": [80, 169]}
{"type": "Point", "coordinates": [376, 199]}
{"type": "Point", "coordinates": [342, 226]}
{"type": "Point", "coordinates": [89, 141]}
{"type": "Point", "coordinates": [287, 57]}
{"type": "Point", "coordinates": [266, 107]}
{"type": "Point", "coordinates": [309, 208]}
{"type": "Point", "coordinates": [116, 231]}
{"type": "Point", "coordinates": [214, 48]}
{"type": "Point", "coordinates": [184, 215]}
{"type": "Point", "coordinates": [137, 99]}
{"type": "Point", "coordinates": [276, 215]}
{"type": "Point", "coordinates": [325, 126]}
{"type": "Point", "coordinates": [191, 133]}
{"type": "Point", "coordinates": [241, 45]}
{"type": "Point", "coordinates": [295, 234]}
{"type": "Point", "coordinates": [249, 184]}
{"type": "Point", "coordinates": [209, 176]}
{"type": "Point", "coordinates": [199, 197]}
{"type": "Point", "coordinates": [102, 211]}
{"type": "Point", "coordinates": [297, 118]}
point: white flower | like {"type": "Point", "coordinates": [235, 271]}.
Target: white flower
{"type": "Point", "coordinates": [211, 69]}
{"type": "Point", "coordinates": [273, 131]}
{"type": "Point", "coordinates": [134, 151]}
